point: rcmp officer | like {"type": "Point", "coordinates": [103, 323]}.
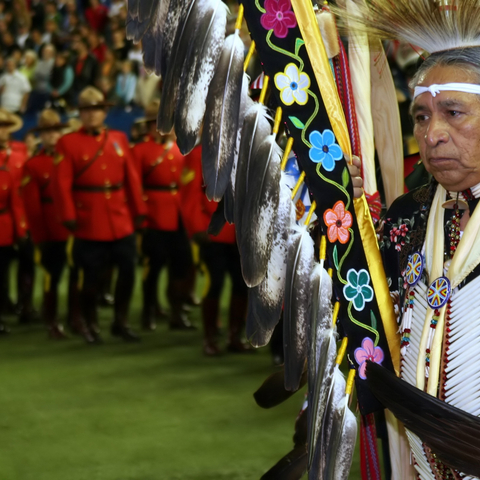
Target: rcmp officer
{"type": "Point", "coordinates": [219, 255]}
{"type": "Point", "coordinates": [165, 241]}
{"type": "Point", "coordinates": [98, 194]}
{"type": "Point", "coordinates": [46, 229]}
{"type": "Point", "coordinates": [12, 218]}
{"type": "Point", "coordinates": [14, 154]}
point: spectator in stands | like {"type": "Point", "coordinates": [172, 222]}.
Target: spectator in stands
{"type": "Point", "coordinates": [126, 84]}
{"type": "Point", "coordinates": [52, 13]}
{"type": "Point", "coordinates": [107, 86]}
{"type": "Point", "coordinates": [22, 35]}
{"type": "Point", "coordinates": [34, 41]}
{"type": "Point", "coordinates": [8, 45]}
{"type": "Point", "coordinates": [85, 66]}
{"type": "Point", "coordinates": [14, 88]}
{"type": "Point", "coordinates": [109, 66]}
{"type": "Point", "coordinates": [37, 12]}
{"type": "Point", "coordinates": [61, 81]}
{"type": "Point", "coordinates": [52, 34]}
{"type": "Point", "coordinates": [29, 64]}
{"type": "Point", "coordinates": [116, 7]}
{"type": "Point", "coordinates": [96, 16]}
{"type": "Point", "coordinates": [120, 45]}
{"type": "Point", "coordinates": [97, 46]}
{"type": "Point", "coordinates": [21, 15]}
{"type": "Point", "coordinates": [41, 79]}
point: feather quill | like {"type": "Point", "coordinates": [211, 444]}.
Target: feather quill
{"type": "Point", "coordinates": [265, 301]}
{"type": "Point", "coordinates": [245, 103]}
{"type": "Point", "coordinates": [451, 433]}
{"type": "Point", "coordinates": [322, 354]}
{"type": "Point", "coordinates": [272, 391]}
{"type": "Point", "coordinates": [335, 395]}
{"type": "Point", "coordinates": [221, 118]}
{"type": "Point", "coordinates": [297, 305]}
{"type": "Point", "coordinates": [185, 38]}
{"type": "Point", "coordinates": [255, 128]}
{"type": "Point", "coordinates": [260, 211]}
{"type": "Point", "coordinates": [142, 10]}
{"type": "Point", "coordinates": [198, 72]}
{"type": "Point", "coordinates": [217, 222]}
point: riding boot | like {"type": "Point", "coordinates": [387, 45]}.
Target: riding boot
{"type": "Point", "coordinates": [210, 308]}
{"type": "Point", "coordinates": [189, 288]}
{"type": "Point", "coordinates": [149, 304]}
{"type": "Point", "coordinates": [75, 322]}
{"type": "Point", "coordinates": [237, 316]}
{"type": "Point", "coordinates": [178, 317]}
{"type": "Point", "coordinates": [120, 328]}
{"type": "Point", "coordinates": [26, 313]}
{"type": "Point", "coordinates": [50, 300]}
{"type": "Point", "coordinates": [91, 330]}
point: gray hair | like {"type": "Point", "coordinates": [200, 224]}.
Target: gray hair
{"type": "Point", "coordinates": [467, 59]}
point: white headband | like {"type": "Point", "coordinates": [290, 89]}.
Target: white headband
{"type": "Point", "coordinates": [456, 87]}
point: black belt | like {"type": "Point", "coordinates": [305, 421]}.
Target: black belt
{"type": "Point", "coordinates": [98, 188]}
{"type": "Point", "coordinates": [3, 210]}
{"type": "Point", "coordinates": [161, 188]}
{"type": "Point", "coordinates": [46, 200]}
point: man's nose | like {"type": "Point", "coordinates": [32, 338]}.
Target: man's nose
{"type": "Point", "coordinates": [437, 130]}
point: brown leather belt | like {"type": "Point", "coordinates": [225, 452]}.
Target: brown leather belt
{"type": "Point", "coordinates": [98, 188]}
{"type": "Point", "coordinates": [161, 188]}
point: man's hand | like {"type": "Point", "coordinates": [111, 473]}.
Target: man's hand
{"type": "Point", "coordinates": [139, 219]}
{"type": "Point", "coordinates": [357, 181]}
{"type": "Point", "coordinates": [70, 225]}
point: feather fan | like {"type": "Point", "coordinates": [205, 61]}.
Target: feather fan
{"type": "Point", "coordinates": [245, 103]}
{"type": "Point", "coordinates": [198, 72]}
{"type": "Point", "coordinates": [260, 211]}
{"type": "Point", "coordinates": [272, 391]}
{"type": "Point", "coordinates": [255, 128]}
{"type": "Point", "coordinates": [321, 355]}
{"type": "Point", "coordinates": [429, 25]}
{"type": "Point", "coordinates": [185, 39]}
{"type": "Point", "coordinates": [297, 305]}
{"type": "Point", "coordinates": [221, 118]}
{"type": "Point", "coordinates": [265, 301]}
{"type": "Point", "coordinates": [451, 433]}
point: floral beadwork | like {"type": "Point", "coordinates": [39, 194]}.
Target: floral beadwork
{"type": "Point", "coordinates": [293, 85]}
{"type": "Point", "coordinates": [324, 149]}
{"type": "Point", "coordinates": [357, 289]}
{"type": "Point", "coordinates": [278, 17]}
{"type": "Point", "coordinates": [367, 351]}
{"type": "Point", "coordinates": [338, 221]}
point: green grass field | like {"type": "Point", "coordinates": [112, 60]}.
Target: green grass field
{"type": "Point", "coordinates": [158, 410]}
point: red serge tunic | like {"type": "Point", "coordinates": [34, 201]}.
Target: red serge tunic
{"type": "Point", "coordinates": [196, 209]}
{"type": "Point", "coordinates": [12, 219]}
{"type": "Point", "coordinates": [160, 169]}
{"type": "Point", "coordinates": [37, 192]}
{"type": "Point", "coordinates": [95, 183]}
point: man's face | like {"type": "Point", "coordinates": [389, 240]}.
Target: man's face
{"type": "Point", "coordinates": [447, 129]}
{"type": "Point", "coordinates": [50, 138]}
{"type": "Point", "coordinates": [93, 118]}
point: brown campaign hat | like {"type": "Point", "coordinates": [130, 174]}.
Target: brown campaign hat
{"type": "Point", "coordinates": [49, 120]}
{"type": "Point", "coordinates": [151, 111]}
{"type": "Point", "coordinates": [10, 121]}
{"type": "Point", "coordinates": [91, 97]}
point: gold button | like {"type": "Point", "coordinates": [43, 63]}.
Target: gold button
{"type": "Point", "coordinates": [46, 175]}
{"type": "Point", "coordinates": [108, 195]}
{"type": "Point", "coordinates": [103, 167]}
{"type": "Point", "coordinates": [100, 152]}
{"type": "Point", "coordinates": [85, 157]}
{"type": "Point", "coordinates": [170, 157]}
{"type": "Point", "coordinates": [107, 183]}
{"type": "Point", "coordinates": [174, 169]}
{"type": "Point", "coordinates": [145, 197]}
{"type": "Point", "coordinates": [174, 192]}
{"type": "Point", "coordinates": [4, 187]}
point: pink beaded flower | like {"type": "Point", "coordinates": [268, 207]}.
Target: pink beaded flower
{"type": "Point", "coordinates": [367, 352]}
{"type": "Point", "coordinates": [278, 17]}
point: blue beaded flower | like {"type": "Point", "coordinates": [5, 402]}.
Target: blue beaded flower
{"type": "Point", "coordinates": [324, 149]}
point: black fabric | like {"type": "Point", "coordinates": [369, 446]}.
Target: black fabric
{"type": "Point", "coordinates": [220, 259]}
{"type": "Point", "coordinates": [53, 259]}
{"type": "Point", "coordinates": [6, 255]}
{"type": "Point", "coordinates": [94, 256]}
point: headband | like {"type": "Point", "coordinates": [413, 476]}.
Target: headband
{"type": "Point", "coordinates": [456, 87]}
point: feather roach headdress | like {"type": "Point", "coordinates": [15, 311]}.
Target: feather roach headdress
{"type": "Point", "coordinates": [431, 25]}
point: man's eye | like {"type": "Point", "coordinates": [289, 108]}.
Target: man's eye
{"type": "Point", "coordinates": [420, 118]}
{"type": "Point", "coordinates": [454, 113]}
